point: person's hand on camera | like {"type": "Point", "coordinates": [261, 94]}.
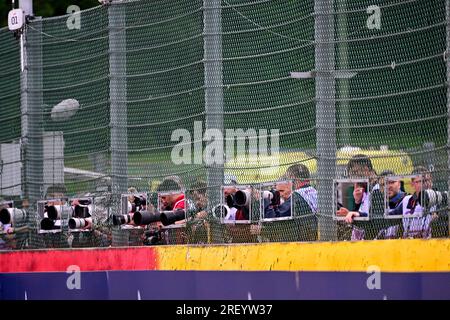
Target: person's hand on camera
{"type": "Point", "coordinates": [342, 212]}
{"type": "Point", "coordinates": [201, 215]}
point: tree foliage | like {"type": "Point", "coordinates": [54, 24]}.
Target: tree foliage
{"type": "Point", "coordinates": [45, 8]}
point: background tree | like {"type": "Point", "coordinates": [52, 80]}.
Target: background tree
{"type": "Point", "coordinates": [45, 8]}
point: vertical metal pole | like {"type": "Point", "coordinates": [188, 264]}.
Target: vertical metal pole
{"type": "Point", "coordinates": [31, 101]}
{"type": "Point", "coordinates": [26, 6]}
{"type": "Point", "coordinates": [343, 84]}
{"type": "Point", "coordinates": [212, 24]}
{"type": "Point", "coordinates": [118, 96]}
{"type": "Point", "coordinates": [118, 106]}
{"type": "Point", "coordinates": [325, 114]}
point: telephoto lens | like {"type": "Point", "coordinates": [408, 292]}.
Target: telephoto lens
{"type": "Point", "coordinates": [170, 217]}
{"type": "Point", "coordinates": [221, 210]}
{"type": "Point", "coordinates": [120, 219]}
{"type": "Point", "coordinates": [433, 198]}
{"type": "Point", "coordinates": [242, 198]}
{"type": "Point", "coordinates": [48, 224]}
{"type": "Point", "coordinates": [79, 223]}
{"type": "Point", "coordinates": [58, 212]}
{"type": "Point", "coordinates": [82, 211]}
{"type": "Point", "coordinates": [230, 201]}
{"type": "Point", "coordinates": [273, 196]}
{"type": "Point", "coordinates": [12, 216]}
{"type": "Point", "coordinates": [145, 217]}
{"type": "Point", "coordinates": [153, 237]}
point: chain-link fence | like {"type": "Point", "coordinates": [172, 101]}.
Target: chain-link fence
{"type": "Point", "coordinates": [313, 107]}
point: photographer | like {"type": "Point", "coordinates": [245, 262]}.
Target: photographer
{"type": "Point", "coordinates": [360, 166]}
{"type": "Point", "coordinates": [419, 227]}
{"type": "Point", "coordinates": [199, 227]}
{"type": "Point", "coordinates": [172, 200]}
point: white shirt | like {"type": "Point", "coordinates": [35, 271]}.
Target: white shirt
{"type": "Point", "coordinates": [310, 195]}
{"type": "Point", "coordinates": [418, 225]}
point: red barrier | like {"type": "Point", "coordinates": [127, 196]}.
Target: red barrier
{"type": "Point", "coordinates": [85, 259]}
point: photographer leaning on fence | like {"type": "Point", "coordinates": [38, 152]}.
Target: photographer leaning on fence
{"type": "Point", "coordinates": [360, 166]}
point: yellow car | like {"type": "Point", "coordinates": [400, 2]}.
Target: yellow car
{"type": "Point", "coordinates": [255, 169]}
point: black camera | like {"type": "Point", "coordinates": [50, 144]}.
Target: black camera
{"type": "Point", "coordinates": [139, 203]}
{"type": "Point", "coordinates": [49, 224]}
{"type": "Point", "coordinates": [145, 217]}
{"type": "Point", "coordinates": [54, 214]}
{"type": "Point", "coordinates": [58, 211]}
{"type": "Point", "coordinates": [81, 211]}
{"type": "Point", "coordinates": [12, 216]}
{"type": "Point", "coordinates": [242, 198]}
{"type": "Point", "coordinates": [273, 196]}
{"type": "Point", "coordinates": [170, 217]}
{"type": "Point", "coordinates": [433, 198]}
{"type": "Point", "coordinates": [153, 237]}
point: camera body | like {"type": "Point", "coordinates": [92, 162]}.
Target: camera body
{"type": "Point", "coordinates": [53, 214]}
{"type": "Point", "coordinates": [153, 237]}
{"type": "Point", "coordinates": [273, 196]}
{"type": "Point", "coordinates": [432, 198]}
{"type": "Point", "coordinates": [81, 219]}
{"type": "Point", "coordinates": [146, 217]}
{"type": "Point", "coordinates": [130, 205]}
{"type": "Point", "coordinates": [172, 216]}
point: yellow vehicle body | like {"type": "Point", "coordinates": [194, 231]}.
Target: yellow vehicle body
{"type": "Point", "coordinates": [257, 169]}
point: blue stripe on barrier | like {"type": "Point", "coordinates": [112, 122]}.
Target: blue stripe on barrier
{"type": "Point", "coordinates": [223, 285]}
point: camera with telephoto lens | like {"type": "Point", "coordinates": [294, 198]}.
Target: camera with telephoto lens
{"type": "Point", "coordinates": [146, 217]}
{"type": "Point", "coordinates": [129, 209]}
{"type": "Point", "coordinates": [221, 210]}
{"type": "Point", "coordinates": [139, 203]}
{"type": "Point", "coordinates": [11, 215]}
{"type": "Point", "coordinates": [120, 219]}
{"type": "Point", "coordinates": [54, 213]}
{"type": "Point", "coordinates": [242, 198]}
{"type": "Point", "coordinates": [82, 214]}
{"type": "Point", "coordinates": [172, 216]}
{"type": "Point", "coordinates": [433, 198]}
{"type": "Point", "coordinates": [79, 223]}
{"type": "Point", "coordinates": [273, 196]}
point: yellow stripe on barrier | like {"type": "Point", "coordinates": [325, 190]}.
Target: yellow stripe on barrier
{"type": "Point", "coordinates": [389, 255]}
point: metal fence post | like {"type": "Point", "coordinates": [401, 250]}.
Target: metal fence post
{"type": "Point", "coordinates": [343, 84]}
{"type": "Point", "coordinates": [31, 101]}
{"type": "Point", "coordinates": [118, 106]}
{"type": "Point", "coordinates": [325, 114]}
{"type": "Point", "coordinates": [213, 86]}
